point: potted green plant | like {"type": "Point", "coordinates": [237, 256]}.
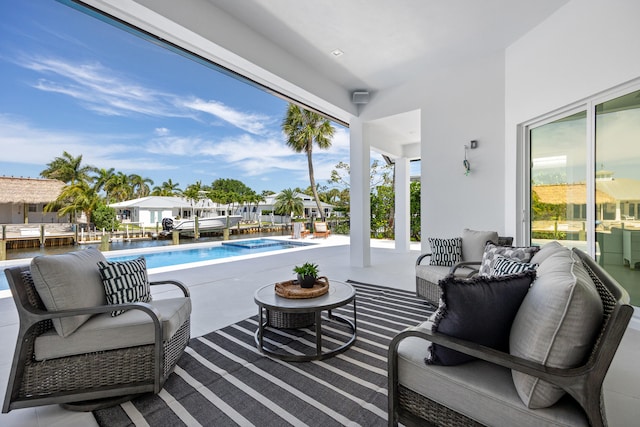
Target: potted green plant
{"type": "Point", "coordinates": [307, 274]}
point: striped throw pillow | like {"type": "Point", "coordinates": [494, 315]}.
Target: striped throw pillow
{"type": "Point", "coordinates": [125, 282]}
{"type": "Point", "coordinates": [445, 252]}
{"type": "Point", "coordinates": [502, 266]}
{"type": "Point", "coordinates": [491, 251]}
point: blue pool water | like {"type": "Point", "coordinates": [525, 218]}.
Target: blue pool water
{"type": "Point", "coordinates": [185, 256]}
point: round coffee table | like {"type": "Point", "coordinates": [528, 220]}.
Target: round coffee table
{"type": "Point", "coordinates": [268, 302]}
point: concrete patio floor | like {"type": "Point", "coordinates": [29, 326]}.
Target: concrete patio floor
{"type": "Point", "coordinates": [222, 294]}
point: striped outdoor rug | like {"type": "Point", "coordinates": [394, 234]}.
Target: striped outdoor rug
{"type": "Point", "coordinates": [222, 380]}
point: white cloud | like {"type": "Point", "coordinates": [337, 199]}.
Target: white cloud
{"type": "Point", "coordinates": [102, 90]}
{"type": "Point", "coordinates": [31, 145]}
{"type": "Point", "coordinates": [250, 122]}
{"type": "Point", "coordinates": [340, 143]}
{"type": "Point", "coordinates": [250, 156]}
{"type": "Point", "coordinates": [162, 131]}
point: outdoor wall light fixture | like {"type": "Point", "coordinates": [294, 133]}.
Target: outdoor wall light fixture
{"type": "Point", "coordinates": [467, 166]}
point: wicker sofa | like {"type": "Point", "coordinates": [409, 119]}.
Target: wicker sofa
{"type": "Point", "coordinates": [71, 350]}
{"type": "Point", "coordinates": [473, 243]}
{"type": "Point", "coordinates": [489, 391]}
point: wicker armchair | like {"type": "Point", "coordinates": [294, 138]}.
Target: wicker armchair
{"type": "Point", "coordinates": [99, 378]}
{"type": "Point", "coordinates": [427, 277]}
{"type": "Point", "coordinates": [584, 383]}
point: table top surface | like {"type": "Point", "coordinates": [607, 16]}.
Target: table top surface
{"type": "Point", "coordinates": [339, 293]}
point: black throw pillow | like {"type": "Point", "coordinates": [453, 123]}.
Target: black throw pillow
{"type": "Point", "coordinates": [480, 309]}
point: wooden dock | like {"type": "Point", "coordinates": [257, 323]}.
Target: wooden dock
{"type": "Point", "coordinates": [34, 242]}
{"type": "Point", "coordinates": [37, 237]}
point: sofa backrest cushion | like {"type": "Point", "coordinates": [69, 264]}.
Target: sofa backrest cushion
{"type": "Point", "coordinates": [69, 281]}
{"type": "Point", "coordinates": [556, 324]}
{"type": "Point", "coordinates": [473, 243]}
{"type": "Point", "coordinates": [546, 251]}
{"type": "Point", "coordinates": [479, 309]}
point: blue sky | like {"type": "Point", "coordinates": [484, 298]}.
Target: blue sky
{"type": "Point", "coordinates": [70, 82]}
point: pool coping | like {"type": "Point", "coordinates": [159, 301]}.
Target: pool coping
{"type": "Point", "coordinates": [302, 245]}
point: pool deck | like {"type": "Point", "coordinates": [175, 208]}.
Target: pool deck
{"type": "Point", "coordinates": [222, 294]}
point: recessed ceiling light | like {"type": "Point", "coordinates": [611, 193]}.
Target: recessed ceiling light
{"type": "Point", "coordinates": [337, 53]}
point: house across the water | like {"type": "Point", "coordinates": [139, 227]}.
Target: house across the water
{"type": "Point", "coordinates": [22, 200]}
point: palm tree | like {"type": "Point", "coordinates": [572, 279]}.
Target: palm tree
{"type": "Point", "coordinates": [68, 169]}
{"type": "Point", "coordinates": [193, 193]}
{"type": "Point", "coordinates": [76, 197]}
{"type": "Point", "coordinates": [332, 196]}
{"type": "Point", "coordinates": [254, 199]}
{"type": "Point", "coordinates": [288, 202]}
{"type": "Point", "coordinates": [303, 128]}
{"type": "Point", "coordinates": [101, 179]}
{"type": "Point", "coordinates": [168, 188]}
{"type": "Point", "coordinates": [140, 185]}
{"type": "Point", "coordinates": [118, 187]}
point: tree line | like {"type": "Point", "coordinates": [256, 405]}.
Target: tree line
{"type": "Point", "coordinates": [90, 190]}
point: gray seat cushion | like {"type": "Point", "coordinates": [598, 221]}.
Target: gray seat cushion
{"type": "Point", "coordinates": [477, 388]}
{"type": "Point", "coordinates": [105, 332]}
{"type": "Point", "coordinates": [69, 281]}
{"type": "Point", "coordinates": [435, 273]}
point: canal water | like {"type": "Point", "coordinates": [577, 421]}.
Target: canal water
{"type": "Point", "coordinates": [13, 254]}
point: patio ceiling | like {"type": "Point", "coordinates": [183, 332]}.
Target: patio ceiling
{"type": "Point", "coordinates": [289, 45]}
{"type": "Point", "coordinates": [387, 42]}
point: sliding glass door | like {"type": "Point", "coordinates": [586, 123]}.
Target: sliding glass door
{"type": "Point", "coordinates": [617, 183]}
{"type": "Point", "coordinates": [585, 166]}
{"type": "Point", "coordinates": [558, 181]}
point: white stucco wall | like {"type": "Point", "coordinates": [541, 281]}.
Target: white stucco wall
{"type": "Point", "coordinates": [585, 48]}
{"type": "Point", "coordinates": [456, 105]}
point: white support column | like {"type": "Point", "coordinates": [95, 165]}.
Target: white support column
{"type": "Point", "coordinates": [360, 204]}
{"type": "Point", "coordinates": [403, 205]}
{"type": "Point", "coordinates": [424, 160]}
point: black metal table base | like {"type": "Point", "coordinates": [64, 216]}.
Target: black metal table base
{"type": "Point", "coordinates": [319, 354]}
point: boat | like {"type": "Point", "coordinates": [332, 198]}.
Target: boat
{"type": "Point", "coordinates": [207, 224]}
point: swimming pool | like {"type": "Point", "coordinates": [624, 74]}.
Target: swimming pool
{"type": "Point", "coordinates": [192, 255]}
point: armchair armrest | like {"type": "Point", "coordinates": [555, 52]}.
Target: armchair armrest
{"type": "Point", "coordinates": [176, 283]}
{"type": "Point", "coordinates": [143, 306]}
{"type": "Point", "coordinates": [421, 257]}
{"type": "Point", "coordinates": [35, 316]}
{"type": "Point", "coordinates": [467, 264]}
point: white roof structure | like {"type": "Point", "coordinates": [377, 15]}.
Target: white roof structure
{"type": "Point", "coordinates": [159, 202]}
{"type": "Point", "coordinates": [620, 188]}
{"type": "Point", "coordinates": [164, 202]}
{"type": "Point", "coordinates": [307, 201]}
